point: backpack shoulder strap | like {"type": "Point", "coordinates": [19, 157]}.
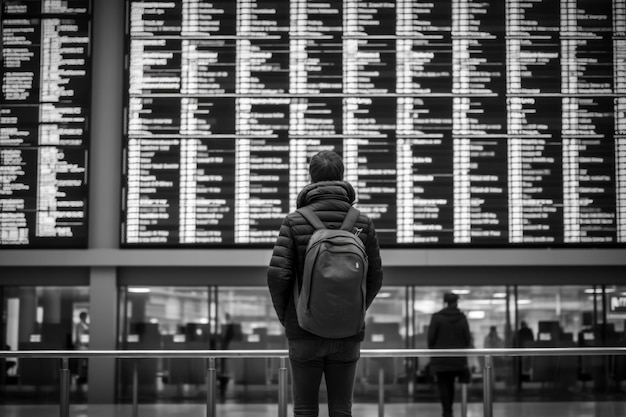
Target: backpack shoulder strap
{"type": "Point", "coordinates": [311, 217]}
{"type": "Point", "coordinates": [350, 220]}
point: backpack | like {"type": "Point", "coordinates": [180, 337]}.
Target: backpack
{"type": "Point", "coordinates": [331, 302]}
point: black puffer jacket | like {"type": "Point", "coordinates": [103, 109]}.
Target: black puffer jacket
{"type": "Point", "coordinates": [449, 329]}
{"type": "Point", "coordinates": [330, 200]}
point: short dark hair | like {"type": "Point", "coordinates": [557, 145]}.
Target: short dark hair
{"type": "Point", "coordinates": [450, 298]}
{"type": "Point", "coordinates": [326, 166]}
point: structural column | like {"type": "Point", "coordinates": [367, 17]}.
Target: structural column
{"type": "Point", "coordinates": [102, 333]}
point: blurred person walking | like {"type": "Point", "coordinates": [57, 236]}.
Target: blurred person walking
{"type": "Point", "coordinates": [449, 329]}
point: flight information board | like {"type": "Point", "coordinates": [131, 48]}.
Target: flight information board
{"type": "Point", "coordinates": [460, 122]}
{"type": "Point", "coordinates": [44, 123]}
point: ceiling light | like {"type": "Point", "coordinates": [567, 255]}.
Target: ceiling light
{"type": "Point", "coordinates": [138, 290]}
{"type": "Point", "coordinates": [598, 290]}
{"type": "Point", "coordinates": [426, 306]}
{"type": "Point", "coordinates": [476, 315]}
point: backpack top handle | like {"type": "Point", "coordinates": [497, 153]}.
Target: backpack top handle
{"type": "Point", "coordinates": [348, 222]}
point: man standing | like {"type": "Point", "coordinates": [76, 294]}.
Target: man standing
{"type": "Point", "coordinates": [312, 356]}
{"type": "Point", "coordinates": [449, 329]}
{"type": "Point", "coordinates": [82, 343]}
{"type": "Point", "coordinates": [227, 336]}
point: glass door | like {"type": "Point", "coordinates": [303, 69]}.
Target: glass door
{"type": "Point", "coordinates": [43, 318]}
{"type": "Point", "coordinates": [165, 318]}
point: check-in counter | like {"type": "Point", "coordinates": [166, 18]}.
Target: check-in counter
{"type": "Point", "coordinates": [142, 336]}
{"type": "Point", "coordinates": [40, 372]}
{"type": "Point", "coordinates": [561, 371]}
{"type": "Point", "coordinates": [382, 336]}
{"type": "Point", "coordinates": [251, 371]}
{"type": "Point", "coordinates": [180, 371]}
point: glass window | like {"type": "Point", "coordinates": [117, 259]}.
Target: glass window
{"type": "Point", "coordinates": [386, 327]}
{"type": "Point", "coordinates": [183, 318]}
{"type": "Point", "coordinates": [248, 321]}
{"type": "Point", "coordinates": [43, 318]}
{"type": "Point", "coordinates": [485, 307]}
{"type": "Point", "coordinates": [616, 308]}
{"type": "Point", "coordinates": [251, 311]}
{"type": "Point", "coordinates": [557, 313]}
{"type": "Point", "coordinates": [176, 318]}
{"type": "Point", "coordinates": [561, 316]}
{"type": "Point", "coordinates": [166, 310]}
{"type": "Point", "coordinates": [244, 318]}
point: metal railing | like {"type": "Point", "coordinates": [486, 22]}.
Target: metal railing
{"type": "Point", "coordinates": [212, 355]}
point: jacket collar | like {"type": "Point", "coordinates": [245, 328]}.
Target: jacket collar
{"type": "Point", "coordinates": [326, 190]}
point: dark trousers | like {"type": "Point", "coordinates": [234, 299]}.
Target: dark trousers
{"type": "Point", "coordinates": [337, 361]}
{"type": "Point", "coordinates": [445, 385]}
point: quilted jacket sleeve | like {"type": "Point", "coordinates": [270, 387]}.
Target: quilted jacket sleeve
{"type": "Point", "coordinates": [281, 272]}
{"type": "Point", "coordinates": [375, 269]}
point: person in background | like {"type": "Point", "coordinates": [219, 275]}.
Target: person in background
{"type": "Point", "coordinates": [449, 329]}
{"type": "Point", "coordinates": [227, 336]}
{"type": "Point", "coordinates": [9, 363]}
{"type": "Point", "coordinates": [312, 356]}
{"type": "Point", "coordinates": [81, 331]}
{"type": "Point", "coordinates": [524, 335]}
{"type": "Point", "coordinates": [493, 339]}
{"type": "Point", "coordinates": [523, 339]}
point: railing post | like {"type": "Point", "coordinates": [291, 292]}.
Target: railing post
{"type": "Point", "coordinates": [64, 380]}
{"type": "Point", "coordinates": [463, 399]}
{"type": "Point", "coordinates": [487, 385]}
{"type": "Point", "coordinates": [135, 410]}
{"type": "Point", "coordinates": [381, 391]}
{"type": "Point", "coordinates": [282, 388]}
{"type": "Point", "coordinates": [211, 406]}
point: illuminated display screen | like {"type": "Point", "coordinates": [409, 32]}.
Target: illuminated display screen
{"type": "Point", "coordinates": [461, 123]}
{"type": "Point", "coordinates": [44, 123]}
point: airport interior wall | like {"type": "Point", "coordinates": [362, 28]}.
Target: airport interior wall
{"type": "Point", "coordinates": [103, 266]}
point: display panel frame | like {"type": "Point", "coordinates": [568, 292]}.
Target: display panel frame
{"type": "Point", "coordinates": [45, 204]}
{"type": "Point", "coordinates": [460, 141]}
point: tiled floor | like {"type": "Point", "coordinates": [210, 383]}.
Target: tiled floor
{"type": "Point", "coordinates": [543, 409]}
